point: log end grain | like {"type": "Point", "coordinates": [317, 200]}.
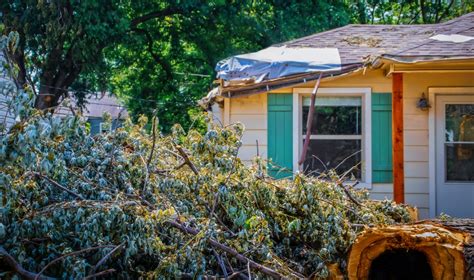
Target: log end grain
{"type": "Point", "coordinates": [448, 247]}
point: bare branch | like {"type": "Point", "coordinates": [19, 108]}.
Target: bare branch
{"type": "Point", "coordinates": [265, 270]}
{"type": "Point", "coordinates": [70, 254]}
{"type": "Point", "coordinates": [57, 185]}
{"type": "Point", "coordinates": [186, 159]}
{"type": "Point", "coordinates": [9, 260]}
{"type": "Point", "coordinates": [104, 272]}
{"type": "Point", "coordinates": [104, 259]}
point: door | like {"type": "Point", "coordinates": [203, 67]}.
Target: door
{"type": "Point", "coordinates": [455, 155]}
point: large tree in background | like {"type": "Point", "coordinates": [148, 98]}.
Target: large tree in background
{"type": "Point", "coordinates": [60, 40]}
{"type": "Point", "coordinates": [407, 11]}
{"type": "Point", "coordinates": [160, 55]}
{"type": "Point", "coordinates": [167, 63]}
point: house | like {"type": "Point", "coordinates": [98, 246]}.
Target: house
{"type": "Point", "coordinates": [95, 105]}
{"type": "Point", "coordinates": [7, 88]}
{"type": "Point", "coordinates": [395, 101]}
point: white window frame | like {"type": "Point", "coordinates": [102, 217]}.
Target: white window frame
{"type": "Point", "coordinates": [365, 94]}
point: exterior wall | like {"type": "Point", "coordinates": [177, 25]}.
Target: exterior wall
{"type": "Point", "coordinates": [6, 117]}
{"type": "Point", "coordinates": [252, 112]}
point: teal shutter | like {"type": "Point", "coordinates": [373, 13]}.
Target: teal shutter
{"type": "Point", "coordinates": [280, 135]}
{"type": "Point", "coordinates": [381, 138]}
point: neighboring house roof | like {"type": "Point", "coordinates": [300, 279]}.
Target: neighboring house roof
{"type": "Point", "coordinates": [360, 45]}
{"type": "Point", "coordinates": [98, 104]}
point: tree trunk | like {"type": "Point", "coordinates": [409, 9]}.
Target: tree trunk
{"type": "Point", "coordinates": [447, 249]}
{"type": "Point", "coordinates": [47, 98]}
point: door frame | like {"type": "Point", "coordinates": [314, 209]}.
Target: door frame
{"type": "Point", "coordinates": [432, 93]}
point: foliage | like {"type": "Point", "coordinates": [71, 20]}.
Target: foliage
{"type": "Point", "coordinates": [148, 52]}
{"type": "Point", "coordinates": [154, 68]}
{"type": "Point", "coordinates": [408, 11]}
{"type": "Point", "coordinates": [134, 204]}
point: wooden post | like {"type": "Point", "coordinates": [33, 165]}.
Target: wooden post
{"type": "Point", "coordinates": [397, 138]}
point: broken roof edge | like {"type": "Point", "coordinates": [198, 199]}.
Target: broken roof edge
{"type": "Point", "coordinates": [220, 92]}
{"type": "Point", "coordinates": [379, 60]}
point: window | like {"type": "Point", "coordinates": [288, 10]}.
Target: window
{"type": "Point", "coordinates": [105, 127]}
{"type": "Point", "coordinates": [336, 139]}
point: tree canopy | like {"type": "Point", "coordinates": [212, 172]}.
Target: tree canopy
{"type": "Point", "coordinates": [159, 55]}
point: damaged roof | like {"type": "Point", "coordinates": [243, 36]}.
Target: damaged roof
{"type": "Point", "coordinates": [357, 42]}
{"type": "Point", "coordinates": [362, 44]}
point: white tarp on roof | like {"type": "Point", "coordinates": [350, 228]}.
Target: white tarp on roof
{"type": "Point", "coordinates": [276, 62]}
{"type": "Point", "coordinates": [455, 38]}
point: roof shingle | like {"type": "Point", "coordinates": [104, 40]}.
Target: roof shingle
{"type": "Point", "coordinates": [356, 41]}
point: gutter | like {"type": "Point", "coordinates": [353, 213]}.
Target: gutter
{"type": "Point", "coordinates": [380, 60]}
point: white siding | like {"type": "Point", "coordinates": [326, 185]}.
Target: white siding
{"type": "Point", "coordinates": [6, 117]}
{"type": "Point", "coordinates": [252, 111]}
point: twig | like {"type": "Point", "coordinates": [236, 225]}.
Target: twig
{"type": "Point", "coordinates": [101, 273]}
{"type": "Point", "coordinates": [187, 160]}
{"type": "Point", "coordinates": [104, 259]}
{"type": "Point", "coordinates": [221, 263]}
{"type": "Point", "coordinates": [68, 255]}
{"type": "Point", "coordinates": [153, 123]}
{"type": "Point", "coordinates": [265, 270]}
{"type": "Point", "coordinates": [8, 259]}
{"type": "Point", "coordinates": [57, 185]}
{"type": "Point", "coordinates": [348, 194]}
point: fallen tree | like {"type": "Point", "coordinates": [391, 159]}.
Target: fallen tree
{"type": "Point", "coordinates": [130, 204]}
{"type": "Point", "coordinates": [439, 249]}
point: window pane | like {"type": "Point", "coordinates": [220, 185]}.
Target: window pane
{"type": "Point", "coordinates": [324, 155]}
{"type": "Point", "coordinates": [459, 162]}
{"type": "Point", "coordinates": [334, 101]}
{"type": "Point", "coordinates": [459, 122]}
{"type": "Point", "coordinates": [332, 120]}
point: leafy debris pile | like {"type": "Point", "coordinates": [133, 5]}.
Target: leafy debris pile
{"type": "Point", "coordinates": [134, 203]}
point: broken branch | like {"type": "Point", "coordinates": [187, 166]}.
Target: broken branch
{"type": "Point", "coordinates": [186, 159]}
{"type": "Point", "coordinates": [8, 259]}
{"type": "Point", "coordinates": [265, 270]}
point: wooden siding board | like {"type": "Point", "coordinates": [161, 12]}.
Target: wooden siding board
{"type": "Point", "coordinates": [251, 121]}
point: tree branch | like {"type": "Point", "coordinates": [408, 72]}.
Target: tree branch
{"type": "Point", "coordinates": [57, 185]}
{"type": "Point", "coordinates": [187, 160]}
{"type": "Point", "coordinates": [9, 260]}
{"type": "Point", "coordinates": [68, 255]}
{"type": "Point", "coordinates": [174, 10]}
{"type": "Point", "coordinates": [163, 63]}
{"type": "Point", "coordinates": [265, 270]}
{"type": "Point", "coordinates": [103, 260]}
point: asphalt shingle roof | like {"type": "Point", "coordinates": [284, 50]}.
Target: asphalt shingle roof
{"type": "Point", "coordinates": [358, 41]}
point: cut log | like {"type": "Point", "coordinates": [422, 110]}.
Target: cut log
{"type": "Point", "coordinates": [444, 248]}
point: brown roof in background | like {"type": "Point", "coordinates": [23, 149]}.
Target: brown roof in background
{"type": "Point", "coordinates": [358, 41]}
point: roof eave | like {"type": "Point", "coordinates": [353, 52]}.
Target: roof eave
{"type": "Point", "coordinates": [269, 85]}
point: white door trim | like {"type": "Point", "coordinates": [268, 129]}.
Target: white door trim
{"type": "Point", "coordinates": [432, 92]}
